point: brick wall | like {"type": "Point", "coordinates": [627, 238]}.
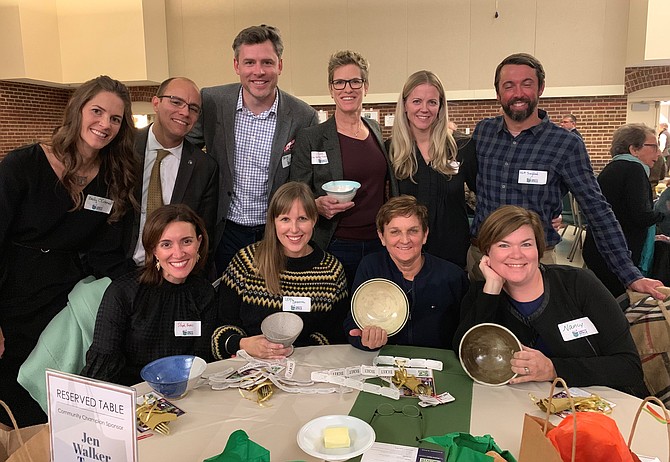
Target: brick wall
{"type": "Point", "coordinates": [31, 112]}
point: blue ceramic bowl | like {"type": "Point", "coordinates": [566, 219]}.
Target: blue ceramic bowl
{"type": "Point", "coordinates": [173, 376]}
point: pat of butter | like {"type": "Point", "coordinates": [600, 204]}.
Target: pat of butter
{"type": "Point", "coordinates": [336, 437]}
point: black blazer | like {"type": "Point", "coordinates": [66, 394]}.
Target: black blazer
{"type": "Point", "coordinates": [197, 185]}
{"type": "Point", "coordinates": [323, 137]}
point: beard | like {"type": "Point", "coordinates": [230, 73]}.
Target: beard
{"type": "Point", "coordinates": [520, 116]}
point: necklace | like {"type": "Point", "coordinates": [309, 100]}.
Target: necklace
{"type": "Point", "coordinates": [80, 180]}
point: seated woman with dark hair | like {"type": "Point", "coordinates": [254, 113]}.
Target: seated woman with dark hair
{"type": "Point", "coordinates": [263, 278]}
{"type": "Point", "coordinates": [141, 315]}
{"type": "Point", "coordinates": [542, 305]}
{"type": "Point", "coordinates": [434, 287]}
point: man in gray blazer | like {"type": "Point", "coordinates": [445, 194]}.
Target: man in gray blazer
{"type": "Point", "coordinates": [249, 128]}
{"type": "Point", "coordinates": [187, 175]}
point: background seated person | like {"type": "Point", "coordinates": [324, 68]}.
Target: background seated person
{"type": "Point", "coordinates": [286, 263]}
{"type": "Point", "coordinates": [136, 322]}
{"type": "Point", "coordinates": [434, 287]}
{"type": "Point", "coordinates": [538, 303]}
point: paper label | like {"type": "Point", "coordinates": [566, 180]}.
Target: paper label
{"type": "Point", "coordinates": [532, 177]}
{"type": "Point", "coordinates": [297, 304]}
{"type": "Point", "coordinates": [578, 328]}
{"type": "Point", "coordinates": [98, 204]}
{"type": "Point", "coordinates": [319, 158]}
{"type": "Point", "coordinates": [187, 328]}
{"type": "Point", "coordinates": [286, 161]}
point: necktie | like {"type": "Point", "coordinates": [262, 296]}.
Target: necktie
{"type": "Point", "coordinates": [155, 193]}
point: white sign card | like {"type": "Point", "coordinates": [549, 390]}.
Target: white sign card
{"type": "Point", "coordinates": [90, 420]}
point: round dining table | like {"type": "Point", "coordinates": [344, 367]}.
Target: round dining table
{"type": "Point", "coordinates": [212, 415]}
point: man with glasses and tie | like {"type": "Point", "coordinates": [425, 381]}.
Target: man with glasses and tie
{"type": "Point", "coordinates": [174, 171]}
{"type": "Point", "coordinates": [249, 128]}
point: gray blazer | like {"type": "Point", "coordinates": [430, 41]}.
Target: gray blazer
{"type": "Point", "coordinates": [197, 185]}
{"type": "Point", "coordinates": [216, 130]}
{"type": "Point", "coordinates": [324, 137]}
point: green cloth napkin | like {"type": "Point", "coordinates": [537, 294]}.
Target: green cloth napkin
{"type": "Point", "coordinates": [437, 420]}
{"type": "Point", "coordinates": [240, 448]}
{"type": "Point", "coordinates": [463, 447]}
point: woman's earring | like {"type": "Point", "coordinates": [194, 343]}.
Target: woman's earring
{"type": "Point", "coordinates": [158, 265]}
{"type": "Point", "coordinates": [197, 258]}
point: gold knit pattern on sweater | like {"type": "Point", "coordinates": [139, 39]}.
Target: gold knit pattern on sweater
{"type": "Point", "coordinates": [323, 283]}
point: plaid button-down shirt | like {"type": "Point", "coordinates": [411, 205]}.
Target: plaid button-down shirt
{"type": "Point", "coordinates": [253, 146]}
{"type": "Point", "coordinates": [562, 155]}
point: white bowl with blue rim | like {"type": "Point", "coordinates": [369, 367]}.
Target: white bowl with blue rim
{"type": "Point", "coordinates": [342, 190]}
{"type": "Point", "coordinates": [173, 376]}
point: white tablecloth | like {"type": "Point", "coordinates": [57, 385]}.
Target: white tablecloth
{"type": "Point", "coordinates": [211, 416]}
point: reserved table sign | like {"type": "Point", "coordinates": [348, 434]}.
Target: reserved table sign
{"type": "Point", "coordinates": [90, 420]}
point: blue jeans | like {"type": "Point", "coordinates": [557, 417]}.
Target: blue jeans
{"type": "Point", "coordinates": [350, 253]}
{"type": "Point", "coordinates": [235, 237]}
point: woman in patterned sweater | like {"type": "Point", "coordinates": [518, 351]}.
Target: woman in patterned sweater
{"type": "Point", "coordinates": [265, 277]}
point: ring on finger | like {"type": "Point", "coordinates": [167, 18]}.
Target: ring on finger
{"type": "Point", "coordinates": [526, 370]}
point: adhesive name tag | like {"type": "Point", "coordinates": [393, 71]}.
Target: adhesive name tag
{"type": "Point", "coordinates": [532, 177]}
{"type": "Point", "coordinates": [319, 158]}
{"type": "Point", "coordinates": [98, 204]}
{"type": "Point", "coordinates": [578, 328]}
{"type": "Point", "coordinates": [187, 328]}
{"type": "Point", "coordinates": [286, 161]}
{"type": "Point", "coordinates": [297, 304]}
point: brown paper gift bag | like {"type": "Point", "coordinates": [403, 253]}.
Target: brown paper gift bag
{"type": "Point", "coordinates": [534, 442]}
{"type": "Point", "coordinates": [30, 444]}
{"type": "Point", "coordinates": [665, 415]}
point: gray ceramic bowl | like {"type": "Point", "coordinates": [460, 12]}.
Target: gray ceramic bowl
{"type": "Point", "coordinates": [485, 352]}
{"type": "Point", "coordinates": [282, 327]}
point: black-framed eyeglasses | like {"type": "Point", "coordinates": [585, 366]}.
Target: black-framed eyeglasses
{"type": "Point", "coordinates": [179, 103]}
{"type": "Point", "coordinates": [653, 145]}
{"type": "Point", "coordinates": [408, 410]}
{"type": "Point", "coordinates": [340, 84]}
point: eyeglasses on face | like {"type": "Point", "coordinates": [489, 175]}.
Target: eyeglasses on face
{"type": "Point", "coordinates": [408, 410]}
{"type": "Point", "coordinates": [652, 145]}
{"type": "Point", "coordinates": [179, 103]}
{"type": "Point", "coordinates": [340, 84]}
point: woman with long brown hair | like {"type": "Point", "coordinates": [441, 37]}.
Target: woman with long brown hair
{"type": "Point", "coordinates": [287, 263]}
{"type": "Point", "coordinates": [142, 314]}
{"type": "Point", "coordinates": [61, 205]}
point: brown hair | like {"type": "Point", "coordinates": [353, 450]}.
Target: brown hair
{"type": "Point", "coordinates": [523, 59]}
{"type": "Point", "coordinates": [401, 206]}
{"type": "Point", "coordinates": [270, 260]}
{"type": "Point", "coordinates": [255, 35]}
{"type": "Point", "coordinates": [504, 221]}
{"type": "Point", "coordinates": [118, 157]}
{"type": "Point", "coordinates": [154, 228]}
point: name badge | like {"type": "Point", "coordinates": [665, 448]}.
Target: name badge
{"type": "Point", "coordinates": [582, 327]}
{"type": "Point", "coordinates": [319, 158]}
{"type": "Point", "coordinates": [532, 177]}
{"type": "Point", "coordinates": [286, 161]}
{"type": "Point", "coordinates": [297, 304]}
{"type": "Point", "coordinates": [187, 328]}
{"type": "Point", "coordinates": [98, 204]}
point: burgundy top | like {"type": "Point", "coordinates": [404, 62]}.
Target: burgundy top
{"type": "Point", "coordinates": [362, 161]}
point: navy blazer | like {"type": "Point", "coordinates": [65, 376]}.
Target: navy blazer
{"type": "Point", "coordinates": [323, 137]}
{"type": "Point", "coordinates": [196, 185]}
{"type": "Point", "coordinates": [215, 129]}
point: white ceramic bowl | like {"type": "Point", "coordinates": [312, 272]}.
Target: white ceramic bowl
{"type": "Point", "coordinates": [342, 190]}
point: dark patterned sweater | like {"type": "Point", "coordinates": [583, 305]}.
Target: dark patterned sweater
{"type": "Point", "coordinates": [244, 300]}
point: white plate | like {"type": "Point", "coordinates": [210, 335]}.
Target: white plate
{"type": "Point", "coordinates": [361, 434]}
{"type": "Point", "coordinates": [382, 303]}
